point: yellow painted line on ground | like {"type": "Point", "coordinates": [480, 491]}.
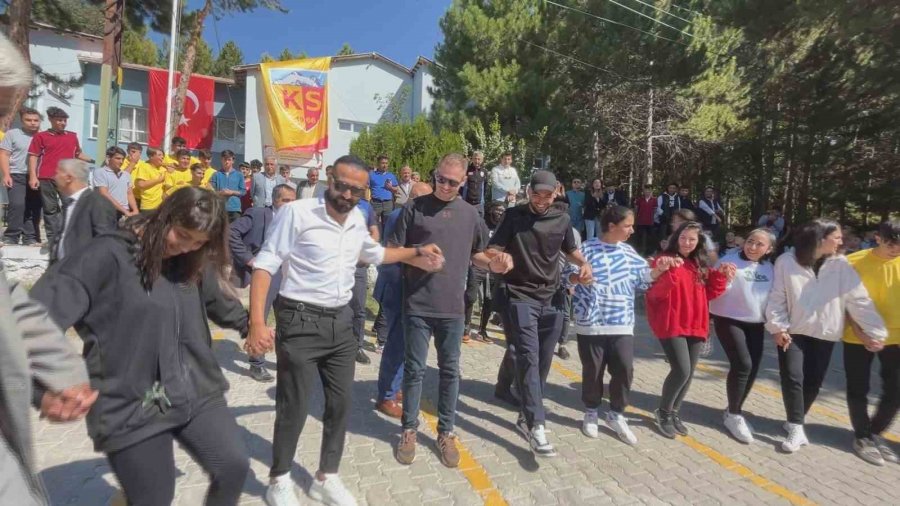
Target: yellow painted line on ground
{"type": "Point", "coordinates": [218, 335]}
{"type": "Point", "coordinates": [823, 411]}
{"type": "Point", "coordinates": [474, 472]}
{"type": "Point", "coordinates": [717, 457]}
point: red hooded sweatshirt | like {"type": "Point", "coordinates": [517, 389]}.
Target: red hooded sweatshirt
{"type": "Point", "coordinates": [678, 302]}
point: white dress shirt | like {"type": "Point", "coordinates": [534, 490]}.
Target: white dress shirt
{"type": "Point", "coordinates": [320, 254]}
{"type": "Point", "coordinates": [60, 252]}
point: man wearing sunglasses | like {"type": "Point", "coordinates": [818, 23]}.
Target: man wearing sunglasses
{"type": "Point", "coordinates": [434, 302]}
{"type": "Point", "coordinates": [319, 243]}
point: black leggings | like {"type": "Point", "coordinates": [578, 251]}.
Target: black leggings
{"type": "Point", "coordinates": [858, 367]}
{"type": "Point", "coordinates": [682, 353]}
{"type": "Point", "coordinates": [802, 367]}
{"type": "Point", "coordinates": [743, 345]}
{"type": "Point", "coordinates": [598, 351]}
{"type": "Point", "coordinates": [146, 470]}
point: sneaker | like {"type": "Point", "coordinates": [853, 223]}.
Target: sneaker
{"type": "Point", "coordinates": [868, 451]}
{"type": "Point", "coordinates": [887, 453]}
{"type": "Point", "coordinates": [795, 439]}
{"type": "Point", "coordinates": [664, 424]}
{"type": "Point", "coordinates": [680, 427]}
{"type": "Point", "coordinates": [362, 358]}
{"type": "Point", "coordinates": [563, 352]}
{"type": "Point", "coordinates": [446, 446]}
{"type": "Point", "coordinates": [406, 449]}
{"type": "Point", "coordinates": [260, 374]}
{"type": "Point", "coordinates": [331, 491]}
{"type": "Point", "coordinates": [281, 492]}
{"type": "Point", "coordinates": [619, 424]}
{"type": "Point", "coordinates": [739, 428]}
{"type": "Point", "coordinates": [539, 443]}
{"type": "Point", "coordinates": [589, 426]}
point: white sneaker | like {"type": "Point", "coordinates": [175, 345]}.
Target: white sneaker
{"type": "Point", "coordinates": [618, 423]}
{"type": "Point", "coordinates": [539, 443]}
{"type": "Point", "coordinates": [739, 428]}
{"type": "Point", "coordinates": [796, 438]}
{"type": "Point", "coordinates": [281, 492]}
{"type": "Point", "coordinates": [589, 426]}
{"type": "Point", "coordinates": [331, 491]}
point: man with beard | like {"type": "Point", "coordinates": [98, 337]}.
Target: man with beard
{"type": "Point", "coordinates": [476, 183]}
{"type": "Point", "coordinates": [319, 244]}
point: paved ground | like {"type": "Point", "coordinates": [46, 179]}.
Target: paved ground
{"type": "Point", "coordinates": [707, 468]}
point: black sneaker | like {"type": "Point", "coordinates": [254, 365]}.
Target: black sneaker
{"type": "Point", "coordinates": [664, 424]}
{"type": "Point", "coordinates": [563, 352]}
{"type": "Point", "coordinates": [507, 395]}
{"type": "Point", "coordinates": [362, 358]}
{"type": "Point", "coordinates": [260, 374]}
{"type": "Point", "coordinates": [680, 428]}
{"type": "Point", "coordinates": [522, 427]}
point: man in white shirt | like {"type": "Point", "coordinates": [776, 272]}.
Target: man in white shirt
{"type": "Point", "coordinates": [312, 188]}
{"type": "Point", "coordinates": [405, 186]}
{"type": "Point", "coordinates": [505, 183]}
{"type": "Point", "coordinates": [319, 242]}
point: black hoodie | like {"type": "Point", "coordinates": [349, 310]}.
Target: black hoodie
{"type": "Point", "coordinates": [148, 352]}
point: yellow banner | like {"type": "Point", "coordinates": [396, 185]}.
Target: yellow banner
{"type": "Point", "coordinates": [297, 99]}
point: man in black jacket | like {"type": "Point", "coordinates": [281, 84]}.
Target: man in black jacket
{"type": "Point", "coordinates": [86, 214]}
{"type": "Point", "coordinates": [613, 196]}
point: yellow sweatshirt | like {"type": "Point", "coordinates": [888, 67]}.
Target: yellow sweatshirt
{"type": "Point", "coordinates": [881, 277]}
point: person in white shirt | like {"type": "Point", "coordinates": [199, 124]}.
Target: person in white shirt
{"type": "Point", "coordinates": [312, 188]}
{"type": "Point", "coordinates": [814, 289]}
{"type": "Point", "coordinates": [405, 186]}
{"type": "Point", "coordinates": [319, 243]}
{"type": "Point", "coordinates": [738, 317]}
{"type": "Point", "coordinates": [505, 183]}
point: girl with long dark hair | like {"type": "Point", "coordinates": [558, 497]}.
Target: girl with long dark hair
{"type": "Point", "coordinates": [593, 204]}
{"type": "Point", "coordinates": [678, 312]}
{"type": "Point", "coordinates": [139, 299]}
{"type": "Point", "coordinates": [814, 288]}
{"type": "Point", "coordinates": [738, 317]}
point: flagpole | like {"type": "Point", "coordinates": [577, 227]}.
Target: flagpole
{"type": "Point", "coordinates": [172, 56]}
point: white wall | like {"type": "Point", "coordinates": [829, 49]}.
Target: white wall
{"type": "Point", "coordinates": [422, 99]}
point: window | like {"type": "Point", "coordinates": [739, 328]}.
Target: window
{"type": "Point", "coordinates": [229, 130]}
{"type": "Point", "coordinates": [59, 90]}
{"type": "Point", "coordinates": [132, 123]}
{"type": "Point", "coordinates": [353, 126]}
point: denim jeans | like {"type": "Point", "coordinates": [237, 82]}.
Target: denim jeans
{"type": "Point", "coordinates": [447, 340]}
{"type": "Point", "coordinates": [390, 371]}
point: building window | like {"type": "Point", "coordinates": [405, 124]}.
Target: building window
{"type": "Point", "coordinates": [132, 123]}
{"type": "Point", "coordinates": [353, 126]}
{"type": "Point", "coordinates": [58, 90]}
{"type": "Point", "coordinates": [229, 130]}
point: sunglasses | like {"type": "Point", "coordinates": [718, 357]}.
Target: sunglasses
{"type": "Point", "coordinates": [341, 187]}
{"type": "Point", "coordinates": [439, 179]}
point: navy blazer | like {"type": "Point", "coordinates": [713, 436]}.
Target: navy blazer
{"type": "Point", "coordinates": [246, 238]}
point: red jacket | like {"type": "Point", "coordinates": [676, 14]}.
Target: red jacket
{"type": "Point", "coordinates": [678, 303]}
{"type": "Point", "coordinates": [645, 210]}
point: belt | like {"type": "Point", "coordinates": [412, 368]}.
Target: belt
{"type": "Point", "coordinates": [306, 307]}
{"type": "Point", "coordinates": [382, 200]}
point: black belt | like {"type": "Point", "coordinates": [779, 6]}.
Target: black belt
{"type": "Point", "coordinates": [306, 307]}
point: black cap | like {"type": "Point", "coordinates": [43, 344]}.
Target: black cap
{"type": "Point", "coordinates": [542, 180]}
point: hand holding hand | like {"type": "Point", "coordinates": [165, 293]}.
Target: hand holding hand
{"type": "Point", "coordinates": [68, 405]}
{"type": "Point", "coordinates": [501, 263]}
{"type": "Point", "coordinates": [783, 340]}
{"type": "Point", "coordinates": [260, 340]}
{"type": "Point", "coordinates": [666, 263]}
{"type": "Point", "coordinates": [729, 270]}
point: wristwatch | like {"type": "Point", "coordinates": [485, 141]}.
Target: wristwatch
{"type": "Point", "coordinates": [418, 251]}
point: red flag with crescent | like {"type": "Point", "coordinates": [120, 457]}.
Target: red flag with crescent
{"type": "Point", "coordinates": [196, 123]}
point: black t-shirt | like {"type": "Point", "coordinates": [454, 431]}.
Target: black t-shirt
{"type": "Point", "coordinates": [475, 179]}
{"type": "Point", "coordinates": [457, 229]}
{"type": "Point", "coordinates": [534, 242]}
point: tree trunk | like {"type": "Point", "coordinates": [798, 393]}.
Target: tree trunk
{"type": "Point", "coordinates": [18, 14]}
{"type": "Point", "coordinates": [187, 66]}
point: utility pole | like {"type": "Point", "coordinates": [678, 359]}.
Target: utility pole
{"type": "Point", "coordinates": [110, 77]}
{"type": "Point", "coordinates": [173, 38]}
{"type": "Point", "coordinates": [650, 140]}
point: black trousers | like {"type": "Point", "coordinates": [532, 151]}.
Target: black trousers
{"type": "Point", "coordinates": [358, 303]}
{"type": "Point", "coordinates": [682, 353]}
{"type": "Point", "coordinates": [147, 471]}
{"type": "Point", "coordinates": [23, 213]}
{"type": "Point", "coordinates": [380, 327]}
{"type": "Point", "coordinates": [565, 306]}
{"type": "Point", "coordinates": [644, 239]}
{"type": "Point", "coordinates": [598, 351]}
{"type": "Point", "coordinates": [308, 342]}
{"type": "Point", "coordinates": [382, 209]}
{"type": "Point", "coordinates": [52, 208]}
{"type": "Point", "coordinates": [802, 367]}
{"type": "Point", "coordinates": [474, 287]}
{"type": "Point", "coordinates": [858, 368]}
{"type": "Point", "coordinates": [743, 345]}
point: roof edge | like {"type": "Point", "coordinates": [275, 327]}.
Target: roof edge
{"type": "Point", "coordinates": [135, 66]}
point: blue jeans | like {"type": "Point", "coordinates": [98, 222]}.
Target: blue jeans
{"type": "Point", "coordinates": [390, 371]}
{"type": "Point", "coordinates": [531, 335]}
{"type": "Point", "coordinates": [447, 340]}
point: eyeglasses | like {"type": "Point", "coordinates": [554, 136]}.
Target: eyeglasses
{"type": "Point", "coordinates": [449, 182]}
{"type": "Point", "coordinates": [341, 187]}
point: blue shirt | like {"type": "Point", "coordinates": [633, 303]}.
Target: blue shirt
{"type": "Point", "coordinates": [377, 182]}
{"type": "Point", "coordinates": [233, 181]}
{"type": "Point", "coordinates": [368, 213]}
{"type": "Point", "coordinates": [576, 207]}
{"type": "Point", "coordinates": [390, 276]}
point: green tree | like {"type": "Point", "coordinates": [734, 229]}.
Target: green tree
{"type": "Point", "coordinates": [415, 144]}
{"type": "Point", "coordinates": [287, 55]}
{"type": "Point", "coordinates": [229, 56]}
{"type": "Point", "coordinates": [138, 48]}
{"type": "Point", "coordinates": [345, 50]}
{"type": "Point", "coordinates": [266, 58]}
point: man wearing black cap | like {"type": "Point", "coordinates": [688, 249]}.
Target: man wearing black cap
{"type": "Point", "coordinates": [528, 244]}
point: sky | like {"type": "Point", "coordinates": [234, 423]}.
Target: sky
{"type": "Point", "coordinates": [402, 30]}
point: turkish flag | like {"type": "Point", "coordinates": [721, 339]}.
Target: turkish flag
{"type": "Point", "coordinates": [196, 125]}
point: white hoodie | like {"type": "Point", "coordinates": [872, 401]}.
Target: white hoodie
{"type": "Point", "coordinates": [803, 303]}
{"type": "Point", "coordinates": [745, 298]}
